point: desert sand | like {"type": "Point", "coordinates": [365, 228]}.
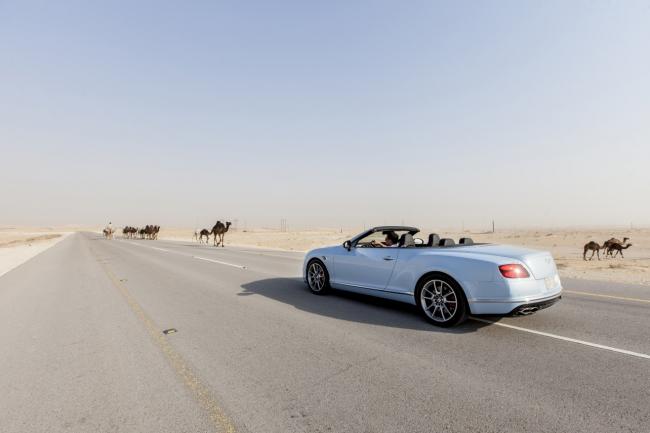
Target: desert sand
{"type": "Point", "coordinates": [19, 244]}
{"type": "Point", "coordinates": [566, 245]}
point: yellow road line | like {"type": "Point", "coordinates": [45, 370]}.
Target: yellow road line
{"type": "Point", "coordinates": [607, 296]}
{"type": "Point", "coordinates": [201, 392]}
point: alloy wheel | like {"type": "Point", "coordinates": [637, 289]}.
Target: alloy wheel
{"type": "Point", "coordinates": [439, 300]}
{"type": "Point", "coordinates": [316, 277]}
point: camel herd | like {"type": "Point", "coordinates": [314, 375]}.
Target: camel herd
{"type": "Point", "coordinates": [219, 230]}
{"type": "Point", "coordinates": [151, 232]}
{"type": "Point", "coordinates": [609, 246]}
{"type": "Point", "coordinates": [128, 232]}
{"type": "Point", "coordinates": [146, 232]}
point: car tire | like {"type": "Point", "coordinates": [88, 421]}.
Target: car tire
{"type": "Point", "coordinates": [441, 300]}
{"type": "Point", "coordinates": [318, 279]}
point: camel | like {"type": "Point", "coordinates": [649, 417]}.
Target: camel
{"type": "Point", "coordinates": [594, 248]}
{"type": "Point", "coordinates": [129, 232]}
{"type": "Point", "coordinates": [619, 249]}
{"type": "Point", "coordinates": [206, 233]}
{"type": "Point", "coordinates": [150, 231]}
{"type": "Point", "coordinates": [219, 230]}
{"type": "Point", "coordinates": [108, 232]}
{"type": "Point", "coordinates": [612, 241]}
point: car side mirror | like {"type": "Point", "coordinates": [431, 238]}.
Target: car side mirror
{"type": "Point", "coordinates": [347, 245]}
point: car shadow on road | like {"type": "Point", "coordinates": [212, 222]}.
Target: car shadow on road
{"type": "Point", "coordinates": [349, 306]}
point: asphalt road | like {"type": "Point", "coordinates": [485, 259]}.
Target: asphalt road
{"type": "Point", "coordinates": [83, 350]}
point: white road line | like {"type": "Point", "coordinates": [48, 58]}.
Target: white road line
{"type": "Point", "coordinates": [220, 262]}
{"type": "Point", "coordinates": [607, 296]}
{"type": "Point", "coordinates": [195, 257]}
{"type": "Point", "coordinates": [232, 250]}
{"type": "Point", "coordinates": [559, 337]}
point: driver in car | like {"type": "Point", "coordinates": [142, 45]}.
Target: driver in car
{"type": "Point", "coordinates": [391, 241]}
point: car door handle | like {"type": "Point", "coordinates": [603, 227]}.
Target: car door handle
{"type": "Point", "coordinates": [388, 258]}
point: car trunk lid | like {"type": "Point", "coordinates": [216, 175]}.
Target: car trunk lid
{"type": "Point", "coordinates": [540, 263]}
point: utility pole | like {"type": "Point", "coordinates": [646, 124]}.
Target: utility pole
{"type": "Point", "coordinates": [492, 226]}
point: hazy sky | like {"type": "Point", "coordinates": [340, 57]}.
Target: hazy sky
{"type": "Point", "coordinates": [325, 113]}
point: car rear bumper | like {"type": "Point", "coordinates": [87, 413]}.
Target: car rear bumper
{"type": "Point", "coordinates": [531, 307]}
{"type": "Point", "coordinates": [513, 306]}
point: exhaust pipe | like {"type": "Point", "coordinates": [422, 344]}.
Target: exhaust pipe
{"type": "Point", "coordinates": [527, 311]}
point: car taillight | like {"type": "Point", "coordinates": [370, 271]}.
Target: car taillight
{"type": "Point", "coordinates": [514, 271]}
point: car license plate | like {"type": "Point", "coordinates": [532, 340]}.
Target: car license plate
{"type": "Point", "coordinates": [550, 282]}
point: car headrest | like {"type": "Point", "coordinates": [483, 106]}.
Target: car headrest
{"type": "Point", "coordinates": [466, 241]}
{"type": "Point", "coordinates": [406, 240]}
{"type": "Point", "coordinates": [434, 240]}
{"type": "Point", "coordinates": [446, 242]}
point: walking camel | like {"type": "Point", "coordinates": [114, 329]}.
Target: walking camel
{"type": "Point", "coordinates": [206, 233]}
{"type": "Point", "coordinates": [594, 248]}
{"type": "Point", "coordinates": [148, 232]}
{"type": "Point", "coordinates": [108, 232]}
{"type": "Point", "coordinates": [618, 248]}
{"type": "Point", "coordinates": [129, 232]}
{"type": "Point", "coordinates": [608, 245]}
{"type": "Point", "coordinates": [219, 230]}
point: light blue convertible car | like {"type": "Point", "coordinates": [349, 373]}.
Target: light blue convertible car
{"type": "Point", "coordinates": [445, 279]}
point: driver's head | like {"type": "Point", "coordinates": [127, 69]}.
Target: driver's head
{"type": "Point", "coordinates": [391, 238]}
